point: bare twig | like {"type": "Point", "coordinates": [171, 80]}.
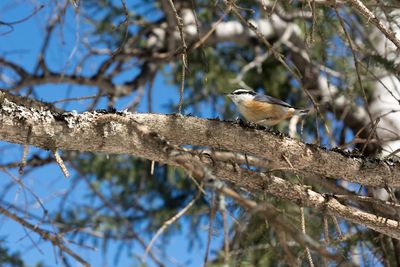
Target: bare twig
{"type": "Point", "coordinates": [179, 23]}
{"type": "Point", "coordinates": [213, 211]}
{"type": "Point", "coordinates": [361, 8]}
{"type": "Point", "coordinates": [352, 48]}
{"type": "Point", "coordinates": [337, 226]}
{"type": "Point", "coordinates": [283, 14]}
{"type": "Point", "coordinates": [152, 167]}
{"type": "Point", "coordinates": [53, 238]}
{"type": "Point", "coordinates": [25, 151]}
{"type": "Point", "coordinates": [303, 229]}
{"type": "Point", "coordinates": [60, 163]}
{"type": "Point", "coordinates": [170, 221]}
{"type": "Point", "coordinates": [10, 23]}
{"type": "Point", "coordinates": [326, 230]}
{"type": "Point", "coordinates": [76, 98]}
{"type": "Point", "coordinates": [207, 35]}
{"type": "Point", "coordinates": [222, 208]}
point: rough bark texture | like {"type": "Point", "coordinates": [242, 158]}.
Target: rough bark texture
{"type": "Point", "coordinates": [133, 134]}
{"type": "Point", "coordinates": [99, 132]}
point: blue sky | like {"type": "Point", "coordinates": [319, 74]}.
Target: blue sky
{"type": "Point", "coordinates": [22, 45]}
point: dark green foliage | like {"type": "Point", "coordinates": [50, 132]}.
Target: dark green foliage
{"type": "Point", "coordinates": [123, 196]}
{"type": "Point", "coordinates": [8, 259]}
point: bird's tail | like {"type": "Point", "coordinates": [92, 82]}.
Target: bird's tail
{"type": "Point", "coordinates": [301, 112]}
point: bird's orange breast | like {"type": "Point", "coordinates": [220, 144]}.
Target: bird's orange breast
{"type": "Point", "coordinates": [256, 111]}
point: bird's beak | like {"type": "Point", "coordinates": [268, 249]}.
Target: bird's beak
{"type": "Point", "coordinates": [229, 95]}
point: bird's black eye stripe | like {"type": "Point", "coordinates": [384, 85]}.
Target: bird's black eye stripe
{"type": "Point", "coordinates": [244, 92]}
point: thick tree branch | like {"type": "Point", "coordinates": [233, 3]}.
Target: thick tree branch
{"type": "Point", "coordinates": [86, 132]}
{"type": "Point", "coordinates": [128, 133]}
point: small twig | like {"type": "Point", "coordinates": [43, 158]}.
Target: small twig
{"type": "Point", "coordinates": [361, 8]}
{"type": "Point", "coordinates": [126, 33]}
{"type": "Point", "coordinates": [77, 42]}
{"type": "Point", "coordinates": [303, 229]}
{"type": "Point", "coordinates": [77, 98]}
{"type": "Point", "coordinates": [337, 226]}
{"type": "Point", "coordinates": [138, 98]}
{"type": "Point", "coordinates": [25, 151]}
{"type": "Point", "coordinates": [370, 135]}
{"type": "Point", "coordinates": [53, 238]}
{"type": "Point", "coordinates": [23, 186]}
{"type": "Point", "coordinates": [9, 24]}
{"type": "Point", "coordinates": [152, 167]}
{"type": "Point", "coordinates": [182, 89]}
{"type": "Point", "coordinates": [326, 230]}
{"type": "Point", "coordinates": [60, 163]}
{"type": "Point", "coordinates": [356, 65]}
{"type": "Point", "coordinates": [392, 154]}
{"type": "Point", "coordinates": [114, 54]}
{"type": "Point", "coordinates": [261, 37]}
{"type": "Point", "coordinates": [256, 62]}
{"type": "Point", "coordinates": [75, 3]}
{"type": "Point", "coordinates": [150, 96]}
{"type": "Point", "coordinates": [314, 20]}
{"type": "Point", "coordinates": [169, 222]}
{"type": "Point", "coordinates": [289, 258]}
{"type": "Point", "coordinates": [213, 211]}
{"type": "Point", "coordinates": [282, 13]}
{"type": "Point", "coordinates": [222, 208]}
{"type": "Point", "coordinates": [204, 38]}
{"type": "Point", "coordinates": [180, 25]}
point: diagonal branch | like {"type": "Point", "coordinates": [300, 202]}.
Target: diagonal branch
{"type": "Point", "coordinates": [53, 238]}
{"type": "Point", "coordinates": [361, 8]}
{"type": "Point", "coordinates": [104, 83]}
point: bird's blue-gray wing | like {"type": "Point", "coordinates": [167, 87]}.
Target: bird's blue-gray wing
{"type": "Point", "coordinates": [271, 100]}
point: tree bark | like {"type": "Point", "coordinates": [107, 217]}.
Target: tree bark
{"type": "Point", "coordinates": [159, 137]}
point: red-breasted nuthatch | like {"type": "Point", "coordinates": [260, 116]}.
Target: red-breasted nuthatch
{"type": "Point", "coordinates": [263, 109]}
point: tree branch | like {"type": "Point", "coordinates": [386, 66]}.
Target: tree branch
{"type": "Point", "coordinates": [127, 133]}
{"type": "Point", "coordinates": [84, 132]}
{"type": "Point", "coordinates": [53, 238]}
{"type": "Point", "coordinates": [361, 8]}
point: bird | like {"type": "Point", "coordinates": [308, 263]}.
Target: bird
{"type": "Point", "coordinates": [262, 109]}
